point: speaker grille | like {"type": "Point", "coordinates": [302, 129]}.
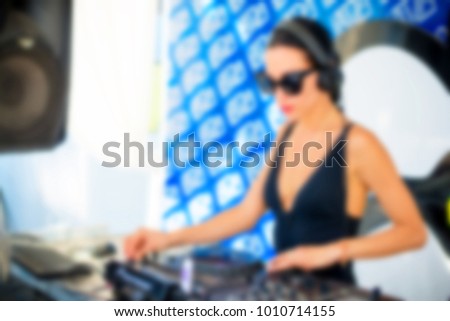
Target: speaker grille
{"type": "Point", "coordinates": [32, 84]}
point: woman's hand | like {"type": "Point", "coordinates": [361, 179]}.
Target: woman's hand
{"type": "Point", "coordinates": [145, 241]}
{"type": "Point", "coordinates": [308, 258]}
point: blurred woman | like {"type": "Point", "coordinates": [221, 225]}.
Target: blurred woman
{"type": "Point", "coordinates": [319, 200]}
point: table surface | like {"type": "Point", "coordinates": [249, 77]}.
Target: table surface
{"type": "Point", "coordinates": [90, 287]}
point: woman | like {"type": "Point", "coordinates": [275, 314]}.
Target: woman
{"type": "Point", "coordinates": [319, 201]}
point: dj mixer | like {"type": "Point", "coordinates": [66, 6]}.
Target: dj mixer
{"type": "Point", "coordinates": [203, 278]}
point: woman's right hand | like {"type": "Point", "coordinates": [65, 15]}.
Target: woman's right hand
{"type": "Point", "coordinates": [143, 242]}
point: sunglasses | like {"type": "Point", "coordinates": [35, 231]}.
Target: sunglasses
{"type": "Point", "coordinates": [291, 83]}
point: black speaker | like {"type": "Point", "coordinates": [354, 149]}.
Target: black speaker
{"type": "Point", "coordinates": [34, 72]}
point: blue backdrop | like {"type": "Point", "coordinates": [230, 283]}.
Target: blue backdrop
{"type": "Point", "coordinates": [215, 47]}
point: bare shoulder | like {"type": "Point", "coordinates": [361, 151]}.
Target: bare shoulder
{"type": "Point", "coordinates": [363, 140]}
{"type": "Point", "coordinates": [282, 129]}
{"type": "Point", "coordinates": [270, 156]}
{"type": "Point", "coordinates": [361, 135]}
{"type": "Point", "coordinates": [367, 151]}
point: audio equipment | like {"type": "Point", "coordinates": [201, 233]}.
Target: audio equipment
{"type": "Point", "coordinates": [34, 65]}
{"type": "Point", "coordinates": [153, 283]}
{"type": "Point", "coordinates": [432, 194]}
{"type": "Point", "coordinates": [296, 286]}
{"type": "Point", "coordinates": [160, 280]}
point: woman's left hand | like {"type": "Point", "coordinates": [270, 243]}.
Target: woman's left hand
{"type": "Point", "coordinates": [307, 258]}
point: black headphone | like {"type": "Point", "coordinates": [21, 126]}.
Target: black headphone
{"type": "Point", "coordinates": [330, 75]}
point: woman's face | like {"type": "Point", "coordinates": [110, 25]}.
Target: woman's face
{"type": "Point", "coordinates": [281, 60]}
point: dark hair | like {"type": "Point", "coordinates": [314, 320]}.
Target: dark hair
{"type": "Point", "coordinates": [322, 37]}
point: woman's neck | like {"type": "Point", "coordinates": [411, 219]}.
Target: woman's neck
{"type": "Point", "coordinates": [321, 115]}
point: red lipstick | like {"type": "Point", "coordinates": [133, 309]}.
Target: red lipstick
{"type": "Point", "coordinates": [287, 109]}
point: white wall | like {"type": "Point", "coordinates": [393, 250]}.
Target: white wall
{"type": "Point", "coordinates": [111, 88]}
{"type": "Point", "coordinates": [402, 101]}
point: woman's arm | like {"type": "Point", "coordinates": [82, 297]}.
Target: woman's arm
{"type": "Point", "coordinates": [372, 164]}
{"type": "Point", "coordinates": [233, 221]}
{"type": "Point", "coordinates": [230, 222]}
{"type": "Point", "coordinates": [375, 168]}
{"type": "Point", "coordinates": [226, 224]}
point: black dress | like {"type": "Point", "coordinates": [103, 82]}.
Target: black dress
{"type": "Point", "coordinates": [318, 214]}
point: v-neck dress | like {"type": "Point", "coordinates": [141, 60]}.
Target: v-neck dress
{"type": "Point", "coordinates": [318, 213]}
